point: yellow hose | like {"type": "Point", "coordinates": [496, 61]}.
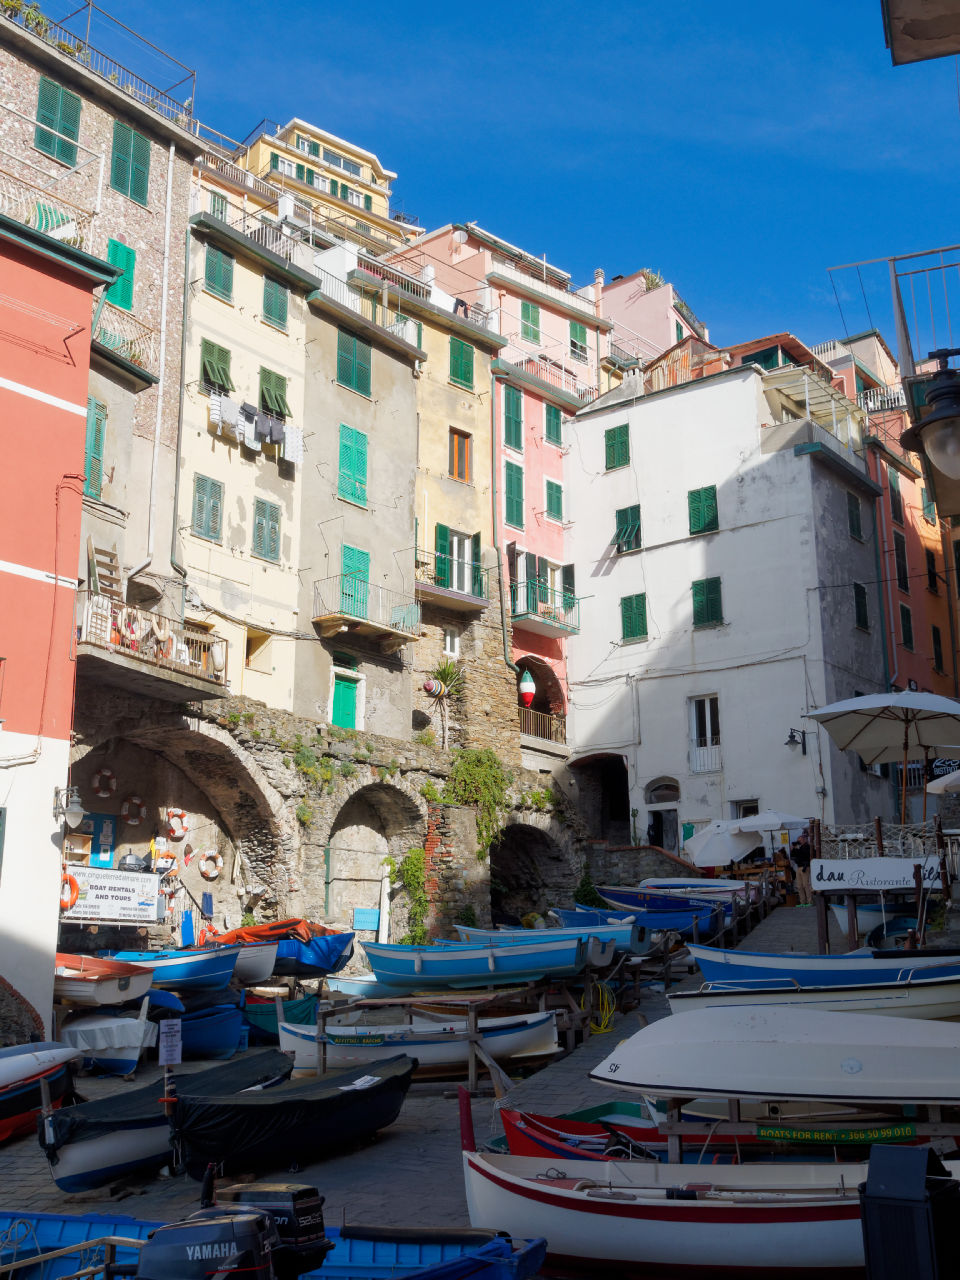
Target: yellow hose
{"type": "Point", "coordinates": [604, 1006]}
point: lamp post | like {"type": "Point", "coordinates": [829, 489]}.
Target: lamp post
{"type": "Point", "coordinates": [935, 434]}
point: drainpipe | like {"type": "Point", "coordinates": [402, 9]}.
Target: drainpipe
{"type": "Point", "coordinates": [949, 566]}
{"type": "Point", "coordinates": [496, 536]}
{"type": "Point", "coordinates": [152, 510]}
{"type": "Point", "coordinates": [175, 564]}
{"type": "Point", "coordinates": [883, 626]}
{"type": "Point", "coordinates": [598, 279]}
{"type": "Point", "coordinates": [878, 506]}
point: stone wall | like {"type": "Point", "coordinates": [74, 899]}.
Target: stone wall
{"type": "Point", "coordinates": [19, 1020]}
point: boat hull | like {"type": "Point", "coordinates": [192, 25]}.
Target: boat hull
{"type": "Point", "coordinates": [626, 899]}
{"type": "Point", "coordinates": [21, 1103]}
{"type": "Point", "coordinates": [208, 969]}
{"type": "Point", "coordinates": [112, 1044]}
{"type": "Point", "coordinates": [92, 1162]}
{"type": "Point", "coordinates": [718, 965]}
{"type": "Point", "coordinates": [211, 1033]}
{"type": "Point", "coordinates": [920, 998]}
{"type": "Point", "coordinates": [655, 921]}
{"type": "Point", "coordinates": [464, 965]}
{"type": "Point", "coordinates": [255, 963]}
{"type": "Point", "coordinates": [92, 981]}
{"type": "Point", "coordinates": [632, 937]}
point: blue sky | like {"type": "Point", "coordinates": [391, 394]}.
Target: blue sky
{"type": "Point", "coordinates": [740, 149]}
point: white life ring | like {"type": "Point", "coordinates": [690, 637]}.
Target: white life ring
{"type": "Point", "coordinates": [210, 873]}
{"type": "Point", "coordinates": [177, 826]}
{"type": "Point", "coordinates": [104, 783]}
{"type": "Point", "coordinates": [133, 811]}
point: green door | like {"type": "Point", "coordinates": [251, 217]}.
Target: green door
{"type": "Point", "coordinates": [354, 583]}
{"type": "Point", "coordinates": [344, 702]}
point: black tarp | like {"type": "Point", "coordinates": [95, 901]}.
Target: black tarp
{"type": "Point", "coordinates": [294, 1120]}
{"type": "Point", "coordinates": [135, 1107]}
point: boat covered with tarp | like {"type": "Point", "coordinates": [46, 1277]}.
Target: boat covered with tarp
{"type": "Point", "coordinates": [304, 948]}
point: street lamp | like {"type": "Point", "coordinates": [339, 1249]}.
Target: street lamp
{"type": "Point", "coordinates": [938, 434]}
{"type": "Point", "coordinates": [797, 738]}
{"type": "Point", "coordinates": [68, 806]}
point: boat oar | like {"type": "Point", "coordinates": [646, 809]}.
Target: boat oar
{"type": "Point", "coordinates": [502, 1083]}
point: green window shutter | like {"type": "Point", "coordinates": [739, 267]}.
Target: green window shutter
{"type": "Point", "coordinates": [120, 292]}
{"type": "Point", "coordinates": [274, 160]}
{"type": "Point", "coordinates": [93, 451]}
{"type": "Point", "coordinates": [215, 366]}
{"type": "Point", "coordinates": [461, 363]}
{"type": "Point", "coordinates": [626, 534]}
{"type": "Point", "coordinates": [266, 530]}
{"type": "Point", "coordinates": [215, 510]}
{"type": "Point", "coordinates": [275, 302]}
{"type": "Point", "coordinates": [702, 509]}
{"type": "Point", "coordinates": [543, 579]}
{"type": "Point", "coordinates": [937, 648]}
{"type": "Point", "coordinates": [929, 507]}
{"type": "Point", "coordinates": [512, 418]}
{"type": "Point", "coordinates": [345, 358]}
{"type": "Point", "coordinates": [514, 495]}
{"type": "Point", "coordinates": [201, 492]}
{"type": "Point", "coordinates": [368, 202]}
{"type": "Point", "coordinates": [48, 113]}
{"type": "Point", "coordinates": [568, 582]}
{"type": "Point", "coordinates": [120, 160]}
{"type": "Point", "coordinates": [301, 173]}
{"type": "Point", "coordinates": [344, 191]}
{"type": "Point", "coordinates": [554, 500]}
{"type": "Point", "coordinates": [360, 465]}
{"type": "Point", "coordinates": [476, 569]}
{"type": "Point", "coordinates": [273, 393]}
{"type": "Point", "coordinates": [695, 510]}
{"type": "Point", "coordinates": [218, 206]}
{"type": "Point", "coordinates": [218, 272]}
{"type": "Point", "coordinates": [678, 330]}
{"type": "Point", "coordinates": [861, 616]}
{"type": "Point", "coordinates": [552, 429]}
{"type": "Point", "coordinates": [311, 178]}
{"type": "Point", "coordinates": [334, 187]}
{"type": "Point", "coordinates": [70, 125]}
{"type": "Point", "coordinates": [139, 169]}
{"type": "Point", "coordinates": [906, 626]}
{"type": "Point", "coordinates": [707, 602]}
{"type": "Point", "coordinates": [344, 712]}
{"type": "Point", "coordinates": [854, 523]}
{"type": "Point", "coordinates": [616, 446]}
{"type": "Point", "coordinates": [578, 339]}
{"type": "Point", "coordinates": [352, 481]}
{"type": "Point", "coordinates": [314, 149]}
{"type": "Point", "coordinates": [532, 583]}
{"type": "Point", "coordinates": [530, 321]}
{"type": "Point", "coordinates": [896, 498]}
{"type": "Point", "coordinates": [714, 600]}
{"type": "Point", "coordinates": [363, 365]}
{"type": "Point", "coordinates": [441, 543]}
{"type": "Point", "coordinates": [633, 617]}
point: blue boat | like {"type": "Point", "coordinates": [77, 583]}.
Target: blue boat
{"type": "Point", "coordinates": [680, 921]}
{"type": "Point", "coordinates": [625, 936]}
{"type": "Point", "coordinates": [313, 959]}
{"type": "Point", "coordinates": [627, 899]}
{"type": "Point", "coordinates": [213, 1032]}
{"type": "Point", "coordinates": [180, 970]}
{"type": "Point", "coordinates": [358, 1254]}
{"type": "Point", "coordinates": [862, 967]}
{"type": "Point", "coordinates": [469, 965]}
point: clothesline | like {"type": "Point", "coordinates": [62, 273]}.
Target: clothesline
{"type": "Point", "coordinates": [245, 424]}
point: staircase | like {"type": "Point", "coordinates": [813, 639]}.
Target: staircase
{"type": "Point", "coordinates": [103, 568]}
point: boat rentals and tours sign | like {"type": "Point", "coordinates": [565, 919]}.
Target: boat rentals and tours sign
{"type": "Point", "coordinates": [112, 897]}
{"type": "Point", "coordinates": [837, 875]}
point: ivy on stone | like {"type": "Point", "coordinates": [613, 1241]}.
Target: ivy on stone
{"type": "Point", "coordinates": [411, 873]}
{"type": "Point", "coordinates": [479, 779]}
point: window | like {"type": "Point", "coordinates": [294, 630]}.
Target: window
{"type": "Point", "coordinates": [529, 322]}
{"type": "Point", "coordinates": [896, 498]}
{"type": "Point", "coordinates": [353, 362]}
{"type": "Point", "coordinates": [678, 327]}
{"type": "Point", "coordinates": [218, 206]}
{"type": "Point", "coordinates": [461, 363]}
{"type": "Point", "coordinates": [702, 509]}
{"type": "Point", "coordinates": [218, 273]}
{"type": "Point", "coordinates": [207, 519]}
{"type": "Point", "coordinates": [900, 559]}
{"type": "Point", "coordinates": [616, 447]}
{"type": "Point", "coordinates": [554, 500]}
{"type": "Point", "coordinates": [120, 292]}
{"type": "Point", "coordinates": [275, 302]}
{"type": "Point", "coordinates": [59, 110]}
{"type": "Point", "coordinates": [451, 642]}
{"type": "Point", "coordinates": [280, 164]}
{"type": "Point", "coordinates": [860, 614]}
{"type": "Point", "coordinates": [633, 617]}
{"type": "Point", "coordinates": [578, 341]}
{"type": "Point", "coordinates": [354, 581]}
{"type": "Point", "coordinates": [626, 535]}
{"type": "Point", "coordinates": [705, 721]}
{"type": "Point", "coordinates": [514, 495]}
{"type": "Point", "coordinates": [352, 481]}
{"type": "Point", "coordinates": [93, 451]}
{"type": "Point", "coordinates": [929, 507]}
{"type": "Point", "coordinates": [707, 603]}
{"type": "Point", "coordinates": [512, 418]}
{"type": "Point", "coordinates": [457, 561]}
{"type": "Point", "coordinates": [932, 577]}
{"type": "Point", "coordinates": [257, 651]}
{"type": "Point", "coordinates": [552, 430]}
{"type": "Point", "coordinates": [854, 522]}
{"type": "Point", "coordinates": [307, 144]}
{"type": "Point", "coordinates": [273, 394]}
{"type": "Point", "coordinates": [130, 166]}
{"type": "Point", "coordinates": [339, 162]}
{"type": "Point", "coordinates": [937, 648]}
{"type": "Point", "coordinates": [266, 530]}
{"type": "Point", "coordinates": [461, 455]}
{"type": "Point", "coordinates": [906, 626]}
{"type": "Point", "coordinates": [214, 367]}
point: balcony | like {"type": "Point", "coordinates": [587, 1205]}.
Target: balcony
{"type": "Point", "coordinates": [540, 609]}
{"type": "Point", "coordinates": [456, 584]}
{"type": "Point", "coordinates": [147, 653]}
{"type": "Point", "coordinates": [347, 603]}
{"type": "Point", "coordinates": [526, 282]}
{"type": "Point", "coordinates": [543, 725]}
{"type": "Point", "coordinates": [705, 756]}
{"type": "Point", "coordinates": [46, 211]}
{"type": "Point", "coordinates": [121, 332]}
{"type": "Point", "coordinates": [239, 177]}
{"type": "Point", "coordinates": [370, 308]}
{"type": "Point", "coordinates": [880, 399]}
{"type": "Point", "coordinates": [537, 365]}
{"type": "Point", "coordinates": [370, 272]}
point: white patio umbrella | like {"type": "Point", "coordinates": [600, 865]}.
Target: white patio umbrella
{"type": "Point", "coordinates": [718, 843]}
{"type": "Point", "coordinates": [909, 725]}
{"type": "Point", "coordinates": [949, 782]}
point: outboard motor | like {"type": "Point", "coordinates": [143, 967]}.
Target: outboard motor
{"type": "Point", "coordinates": [211, 1242]}
{"type": "Point", "coordinates": [297, 1212]}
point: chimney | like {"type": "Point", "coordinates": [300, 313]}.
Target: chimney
{"type": "Point", "coordinates": [598, 290]}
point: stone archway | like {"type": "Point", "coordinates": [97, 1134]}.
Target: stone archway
{"type": "Point", "coordinates": [530, 870]}
{"type": "Point", "coordinates": [603, 795]}
{"type": "Point", "coordinates": [548, 696]}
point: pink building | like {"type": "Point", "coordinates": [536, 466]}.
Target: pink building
{"type": "Point", "coordinates": [648, 315]}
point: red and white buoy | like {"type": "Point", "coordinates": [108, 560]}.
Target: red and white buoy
{"type": "Point", "coordinates": [526, 688]}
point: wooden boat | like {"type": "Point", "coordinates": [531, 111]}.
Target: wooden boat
{"type": "Point", "coordinates": [916, 997]}
{"type": "Point", "coordinates": [24, 1068]}
{"type": "Point", "coordinates": [783, 1053]}
{"type": "Point", "coordinates": [110, 1041]}
{"type": "Point", "coordinates": [464, 965]}
{"type": "Point", "coordinates": [708, 917]}
{"type": "Point", "coordinates": [364, 985]}
{"type": "Point", "coordinates": [699, 887]}
{"type": "Point", "coordinates": [207, 967]}
{"type": "Point", "coordinates": [212, 1032]}
{"type": "Point", "coordinates": [273, 1128]}
{"type": "Point", "coordinates": [628, 937]}
{"type": "Point", "coordinates": [260, 1014]}
{"type": "Point", "coordinates": [869, 914]}
{"type": "Point", "coordinates": [623, 898]}
{"type": "Point", "coordinates": [435, 1045]}
{"type": "Point", "coordinates": [718, 965]}
{"type": "Point", "coordinates": [93, 980]}
{"type": "Point", "coordinates": [93, 1143]}
{"type": "Point", "coordinates": [255, 963]}
{"type": "Point", "coordinates": [304, 948]}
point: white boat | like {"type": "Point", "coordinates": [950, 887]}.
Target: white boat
{"type": "Point", "coordinates": [24, 1061]}
{"type": "Point", "coordinates": [699, 887]}
{"type": "Point", "coordinates": [790, 1219]}
{"type": "Point", "coordinates": [366, 985]}
{"type": "Point", "coordinates": [94, 981]}
{"type": "Point", "coordinates": [782, 1053]}
{"type": "Point", "coordinates": [870, 914]}
{"type": "Point", "coordinates": [255, 963]}
{"type": "Point", "coordinates": [435, 1044]}
{"type": "Point", "coordinates": [112, 1042]}
{"type": "Point", "coordinates": [917, 997]}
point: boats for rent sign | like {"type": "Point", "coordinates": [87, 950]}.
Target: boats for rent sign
{"type": "Point", "coordinates": [112, 897]}
{"type": "Point", "coordinates": [836, 875]}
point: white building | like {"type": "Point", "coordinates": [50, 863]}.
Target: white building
{"type": "Point", "coordinates": [723, 538]}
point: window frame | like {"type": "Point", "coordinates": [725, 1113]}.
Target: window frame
{"type": "Point", "coordinates": [933, 582]}
{"type": "Point", "coordinates": [936, 642]}
{"type": "Point", "coordinates": [553, 424]}
{"type": "Point", "coordinates": [907, 638]}
{"type": "Point", "coordinates": [460, 450]}
{"type": "Point", "coordinates": [351, 487]}
{"type": "Point", "coordinates": [616, 447]}
{"type": "Point", "coordinates": [710, 605]}
{"type": "Point", "coordinates": [578, 346]}
{"type": "Point", "coordinates": [276, 301]}
{"type": "Point", "coordinates": [94, 440]}
{"type": "Point", "coordinates": [218, 206]}
{"type": "Point", "coordinates": [458, 354]}
{"type": "Point", "coordinates": [896, 496]}
{"type": "Point", "coordinates": [263, 509]}
{"type": "Point", "coordinates": [529, 321]}
{"type": "Point", "coordinates": [625, 521]}
{"type": "Point", "coordinates": [553, 490]}
{"type": "Point", "coordinates": [130, 163]}
{"type": "Point", "coordinates": [513, 421]}
{"type": "Point", "coordinates": [217, 359]}
{"type": "Point", "coordinates": [861, 611]}
{"type": "Point", "coordinates": [633, 617]}
{"type": "Point", "coordinates": [271, 396]}
{"type": "Point", "coordinates": [929, 506]}
{"type": "Point", "coordinates": [703, 510]}
{"type": "Point", "coordinates": [204, 507]}
{"type": "Point", "coordinates": [62, 149]}
{"type": "Point", "coordinates": [854, 516]}
{"type": "Point", "coordinates": [515, 470]}
{"type": "Point", "coordinates": [354, 363]}
{"type": "Point", "coordinates": [222, 264]}
{"type": "Point", "coordinates": [901, 564]}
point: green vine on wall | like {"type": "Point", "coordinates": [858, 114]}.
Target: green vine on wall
{"type": "Point", "coordinates": [479, 779]}
{"type": "Point", "coordinates": [411, 873]}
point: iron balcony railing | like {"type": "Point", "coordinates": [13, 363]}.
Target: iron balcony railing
{"type": "Point", "coordinates": [462, 576]}
{"type": "Point", "coordinates": [543, 724]}
{"type": "Point", "coordinates": [347, 596]}
{"type": "Point", "coordinates": [535, 600]}
{"type": "Point", "coordinates": [579, 301]}
{"type": "Point", "coordinates": [46, 211]}
{"type": "Point", "coordinates": [151, 638]}
{"type": "Point", "coordinates": [235, 174]}
{"type": "Point", "coordinates": [400, 279]}
{"type": "Point", "coordinates": [547, 370]}
{"type": "Point", "coordinates": [370, 308]}
{"type": "Point", "coordinates": [705, 755]}
{"type": "Point", "coordinates": [877, 399]}
{"type": "Point", "coordinates": [127, 336]}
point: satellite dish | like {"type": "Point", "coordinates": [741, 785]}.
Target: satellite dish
{"type": "Point", "coordinates": [460, 237]}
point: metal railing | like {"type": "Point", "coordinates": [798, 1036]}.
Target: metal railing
{"type": "Point", "coordinates": [234, 173]}
{"type": "Point", "coordinates": [877, 399]}
{"type": "Point", "coordinates": [151, 638]}
{"type": "Point", "coordinates": [705, 756]}
{"type": "Point", "coordinates": [548, 371]}
{"type": "Point", "coordinates": [535, 600]}
{"type": "Point", "coordinates": [127, 336]}
{"type": "Point", "coordinates": [407, 284]}
{"type": "Point", "coordinates": [543, 724]}
{"type": "Point", "coordinates": [461, 576]}
{"type": "Point", "coordinates": [370, 308]}
{"type": "Point", "coordinates": [46, 211]}
{"type": "Point", "coordinates": [346, 596]}
{"type": "Point", "coordinates": [578, 301]}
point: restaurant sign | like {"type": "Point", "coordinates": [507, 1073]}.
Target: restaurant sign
{"type": "Point", "coordinates": [837, 875]}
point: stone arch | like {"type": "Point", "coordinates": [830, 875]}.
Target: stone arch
{"type": "Point", "coordinates": [662, 790]}
{"type": "Point", "coordinates": [661, 796]}
{"type": "Point", "coordinates": [548, 697]}
{"type": "Point", "coordinates": [603, 794]}
{"type": "Point", "coordinates": [532, 866]}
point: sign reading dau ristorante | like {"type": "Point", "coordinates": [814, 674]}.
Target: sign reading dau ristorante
{"type": "Point", "coordinates": [836, 875]}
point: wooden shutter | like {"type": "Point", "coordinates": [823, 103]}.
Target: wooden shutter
{"type": "Point", "coordinates": [514, 495]}
{"type": "Point", "coordinates": [616, 442]}
{"type": "Point", "coordinates": [344, 711]}
{"type": "Point", "coordinates": [853, 515]}
{"type": "Point", "coordinates": [275, 302]}
{"type": "Point", "coordinates": [709, 508]}
{"type": "Point", "coordinates": [363, 367]}
{"type": "Point", "coordinates": [93, 452]}
{"type": "Point", "coordinates": [120, 292]}
{"type": "Point", "coordinates": [215, 509]}
{"type": "Point", "coordinates": [368, 202]}
{"type": "Point", "coordinates": [441, 542]}
{"type": "Point", "coordinates": [476, 570]}
{"type": "Point", "coordinates": [552, 432]}
{"type": "Point", "coordinates": [139, 168]}
{"type": "Point", "coordinates": [543, 579]}
{"type": "Point", "coordinates": [201, 497]}
{"type": "Point", "coordinates": [314, 148]}
{"type": "Point", "coordinates": [120, 162]}
{"type": "Point", "coordinates": [861, 616]}
{"type": "Point", "coordinates": [360, 465]}
{"type": "Point", "coordinates": [266, 530]}
{"type": "Point", "coordinates": [345, 481]}
{"type": "Point", "coordinates": [70, 125]}
{"type": "Point", "coordinates": [568, 581]}
{"type": "Point", "coordinates": [531, 582]}
{"type": "Point", "coordinates": [215, 365]}
{"type": "Point", "coordinates": [311, 178]}
{"type": "Point", "coordinates": [695, 510]}
{"type": "Point", "coordinates": [461, 362]}
{"type": "Point", "coordinates": [699, 590]}
{"type": "Point", "coordinates": [512, 418]}
{"type": "Point", "coordinates": [334, 187]}
{"type": "Point", "coordinates": [345, 358]}
{"type": "Point", "coordinates": [512, 561]}
{"type": "Point", "coordinates": [218, 272]}
{"type": "Point", "coordinates": [273, 531]}
{"type": "Point", "coordinates": [530, 321]}
{"type": "Point", "coordinates": [301, 173]}
{"type": "Point", "coordinates": [259, 527]}
{"type": "Point", "coordinates": [713, 600]}
{"type": "Point", "coordinates": [355, 563]}
{"type": "Point", "coordinates": [554, 500]}
{"type": "Point", "coordinates": [48, 113]}
{"type": "Point", "coordinates": [274, 160]}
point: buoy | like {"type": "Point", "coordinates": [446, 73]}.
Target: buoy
{"type": "Point", "coordinates": [526, 688]}
{"type": "Point", "coordinates": [104, 783]}
{"type": "Point", "coordinates": [210, 872]}
{"type": "Point", "coordinates": [133, 811]}
{"type": "Point", "coordinates": [69, 892]}
{"type": "Point", "coordinates": [161, 627]}
{"type": "Point", "coordinates": [434, 688]}
{"type": "Point", "coordinates": [177, 826]}
{"type": "Point", "coordinates": [166, 864]}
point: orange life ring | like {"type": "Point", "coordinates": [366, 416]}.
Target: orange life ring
{"type": "Point", "coordinates": [69, 892]}
{"type": "Point", "coordinates": [177, 826]}
{"type": "Point", "coordinates": [133, 811]}
{"type": "Point", "coordinates": [104, 783]}
{"type": "Point", "coordinates": [209, 933]}
{"type": "Point", "coordinates": [210, 873]}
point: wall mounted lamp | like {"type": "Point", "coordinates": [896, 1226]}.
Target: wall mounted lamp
{"type": "Point", "coordinates": [67, 806]}
{"type": "Point", "coordinates": [797, 738]}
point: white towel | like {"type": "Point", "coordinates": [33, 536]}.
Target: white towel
{"type": "Point", "coordinates": [293, 445]}
{"type": "Point", "coordinates": [231, 431]}
{"type": "Point", "coordinates": [229, 411]}
{"type": "Point", "coordinates": [216, 410]}
{"type": "Point", "coordinates": [250, 439]}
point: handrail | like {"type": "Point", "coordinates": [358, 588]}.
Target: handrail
{"type": "Point", "coordinates": [36, 1259]}
{"type": "Point", "coordinates": [150, 638]}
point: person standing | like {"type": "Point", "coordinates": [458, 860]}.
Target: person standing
{"type": "Point", "coordinates": [801, 860]}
